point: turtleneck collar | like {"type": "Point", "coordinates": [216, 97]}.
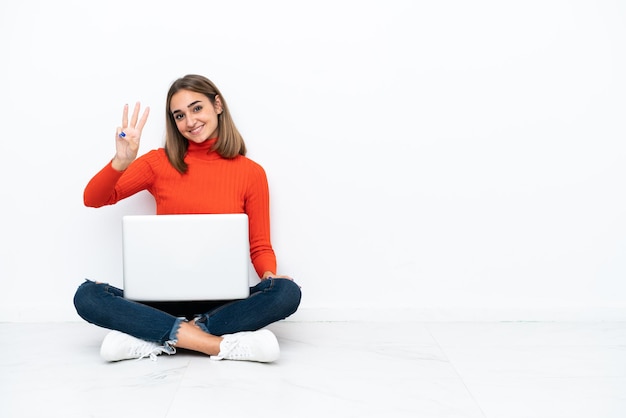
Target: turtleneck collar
{"type": "Point", "coordinates": [203, 150]}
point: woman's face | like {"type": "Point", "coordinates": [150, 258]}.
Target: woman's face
{"type": "Point", "coordinates": [195, 115]}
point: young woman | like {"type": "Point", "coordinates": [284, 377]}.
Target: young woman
{"type": "Point", "coordinates": [202, 169]}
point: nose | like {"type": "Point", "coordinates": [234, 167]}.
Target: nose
{"type": "Point", "coordinates": [190, 120]}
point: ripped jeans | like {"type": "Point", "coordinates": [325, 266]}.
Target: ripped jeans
{"type": "Point", "coordinates": [104, 305]}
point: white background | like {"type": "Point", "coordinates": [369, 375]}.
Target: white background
{"type": "Point", "coordinates": [454, 159]}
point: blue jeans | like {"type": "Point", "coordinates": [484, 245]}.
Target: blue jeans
{"type": "Point", "coordinates": [104, 305]}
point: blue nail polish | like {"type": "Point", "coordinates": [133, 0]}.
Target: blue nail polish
{"type": "Point", "coordinates": [122, 135]}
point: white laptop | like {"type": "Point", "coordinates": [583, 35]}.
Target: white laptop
{"type": "Point", "coordinates": [186, 257]}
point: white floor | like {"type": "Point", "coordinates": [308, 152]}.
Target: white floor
{"type": "Point", "coordinates": [330, 369]}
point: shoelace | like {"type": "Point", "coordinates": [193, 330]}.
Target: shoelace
{"type": "Point", "coordinates": [147, 349]}
{"type": "Point", "coordinates": [238, 351]}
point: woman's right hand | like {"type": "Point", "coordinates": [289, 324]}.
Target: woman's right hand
{"type": "Point", "coordinates": [127, 137]}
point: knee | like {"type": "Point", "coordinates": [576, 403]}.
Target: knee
{"type": "Point", "coordinates": [289, 295]}
{"type": "Point", "coordinates": [85, 298]}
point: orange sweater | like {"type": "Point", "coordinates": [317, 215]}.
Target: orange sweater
{"type": "Point", "coordinates": [212, 184]}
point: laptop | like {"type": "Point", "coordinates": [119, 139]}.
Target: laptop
{"type": "Point", "coordinates": [186, 257]}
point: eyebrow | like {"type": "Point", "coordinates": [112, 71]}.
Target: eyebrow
{"type": "Point", "coordinates": [188, 106]}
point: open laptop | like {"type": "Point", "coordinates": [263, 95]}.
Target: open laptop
{"type": "Point", "coordinates": [186, 257]}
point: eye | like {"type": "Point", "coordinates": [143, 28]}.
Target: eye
{"type": "Point", "coordinates": [197, 108]}
{"type": "Point", "coordinates": [179, 116]}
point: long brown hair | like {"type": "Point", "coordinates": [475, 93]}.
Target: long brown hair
{"type": "Point", "coordinates": [230, 142]}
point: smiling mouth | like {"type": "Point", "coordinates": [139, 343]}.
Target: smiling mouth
{"type": "Point", "coordinates": [196, 130]}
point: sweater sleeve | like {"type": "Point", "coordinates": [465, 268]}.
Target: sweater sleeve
{"type": "Point", "coordinates": [109, 186]}
{"type": "Point", "coordinates": [257, 208]}
{"type": "Point", "coordinates": [100, 189]}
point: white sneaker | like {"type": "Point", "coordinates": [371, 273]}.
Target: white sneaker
{"type": "Point", "coordinates": [118, 346]}
{"type": "Point", "coordinates": [259, 346]}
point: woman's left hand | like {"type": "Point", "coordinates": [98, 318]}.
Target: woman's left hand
{"type": "Point", "coordinates": [270, 275]}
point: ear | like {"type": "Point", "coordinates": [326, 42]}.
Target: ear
{"type": "Point", "coordinates": [218, 105]}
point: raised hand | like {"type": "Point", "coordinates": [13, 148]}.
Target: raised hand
{"type": "Point", "coordinates": [128, 136]}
